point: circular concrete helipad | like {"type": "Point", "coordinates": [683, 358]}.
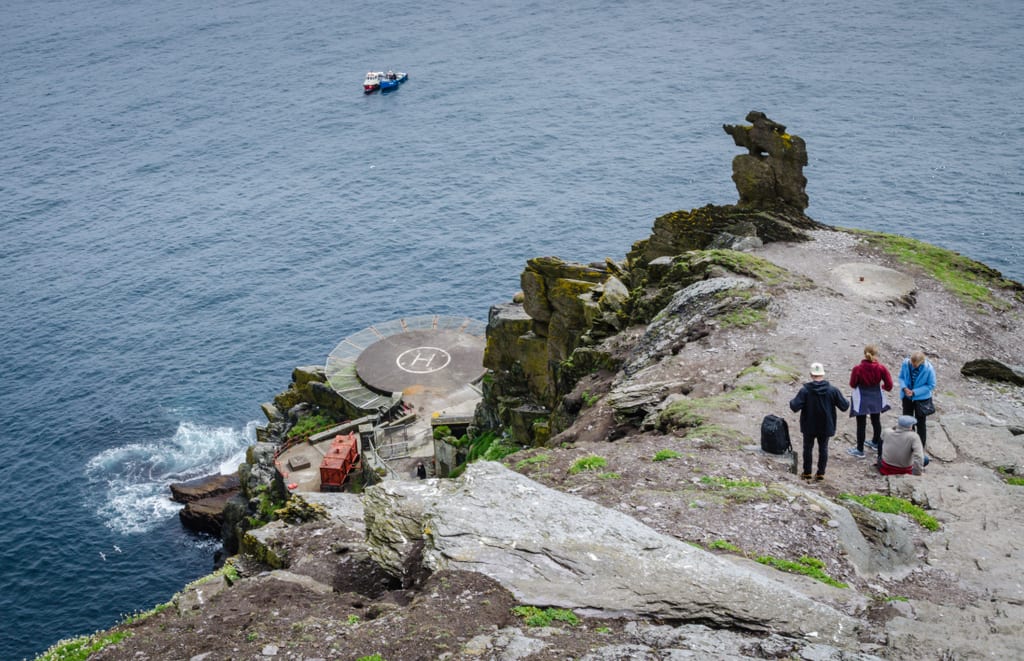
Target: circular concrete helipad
{"type": "Point", "coordinates": [413, 355]}
{"type": "Point", "coordinates": [433, 359]}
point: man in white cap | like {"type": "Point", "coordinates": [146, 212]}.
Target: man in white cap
{"type": "Point", "coordinates": [901, 452]}
{"type": "Point", "coordinates": [817, 402]}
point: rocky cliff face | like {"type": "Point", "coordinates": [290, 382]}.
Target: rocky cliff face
{"type": "Point", "coordinates": [647, 523]}
{"type": "Point", "coordinates": [539, 348]}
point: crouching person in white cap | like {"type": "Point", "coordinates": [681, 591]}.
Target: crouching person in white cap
{"type": "Point", "coordinates": [901, 452]}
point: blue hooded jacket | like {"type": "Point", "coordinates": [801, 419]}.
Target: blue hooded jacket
{"type": "Point", "coordinates": [923, 379]}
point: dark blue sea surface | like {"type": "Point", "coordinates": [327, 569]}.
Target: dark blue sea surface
{"type": "Point", "coordinates": [196, 197]}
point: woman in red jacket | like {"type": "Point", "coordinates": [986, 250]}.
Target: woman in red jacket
{"type": "Point", "coordinates": [867, 380]}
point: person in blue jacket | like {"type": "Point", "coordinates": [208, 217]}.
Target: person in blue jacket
{"type": "Point", "coordinates": [817, 402]}
{"type": "Point", "coordinates": [917, 381]}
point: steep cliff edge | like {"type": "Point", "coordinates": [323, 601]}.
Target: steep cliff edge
{"type": "Point", "coordinates": [641, 385]}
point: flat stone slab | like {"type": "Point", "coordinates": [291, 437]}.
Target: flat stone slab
{"type": "Point", "coordinates": [872, 282]}
{"type": "Point", "coordinates": [431, 359]}
{"type": "Point", "coordinates": [203, 487]}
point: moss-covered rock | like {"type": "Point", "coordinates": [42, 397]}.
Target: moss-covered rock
{"type": "Point", "coordinates": [772, 170]}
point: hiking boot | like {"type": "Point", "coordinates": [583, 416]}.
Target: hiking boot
{"type": "Point", "coordinates": [872, 444]}
{"type": "Point", "coordinates": [819, 477]}
{"type": "Point", "coordinates": [805, 476]}
{"type": "Point", "coordinates": [854, 452]}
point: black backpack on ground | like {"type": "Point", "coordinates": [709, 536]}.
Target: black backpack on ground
{"type": "Point", "coordinates": [775, 435]}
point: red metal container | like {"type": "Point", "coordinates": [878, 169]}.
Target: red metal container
{"type": "Point", "coordinates": [339, 462]}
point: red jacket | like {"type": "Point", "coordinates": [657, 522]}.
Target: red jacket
{"type": "Point", "coordinates": [869, 374]}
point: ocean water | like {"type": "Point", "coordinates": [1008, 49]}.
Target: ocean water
{"type": "Point", "coordinates": [195, 198]}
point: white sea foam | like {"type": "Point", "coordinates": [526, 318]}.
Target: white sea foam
{"type": "Point", "coordinates": [134, 478]}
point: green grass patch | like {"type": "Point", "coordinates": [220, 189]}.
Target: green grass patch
{"type": "Point", "coordinates": [1015, 481]}
{"type": "Point", "coordinates": [371, 657]}
{"type": "Point", "coordinates": [488, 447]}
{"type": "Point", "coordinates": [663, 455]}
{"type": "Point", "coordinates": [536, 617]}
{"type": "Point", "coordinates": [310, 425]}
{"type": "Point", "coordinates": [135, 618]}
{"type": "Point", "coordinates": [728, 483]}
{"type": "Point", "coordinates": [969, 280]}
{"type": "Point", "coordinates": [591, 462]}
{"type": "Point", "coordinates": [609, 476]}
{"type": "Point", "coordinates": [541, 458]}
{"type": "Point", "coordinates": [82, 647]}
{"type": "Point", "coordinates": [687, 413]}
{"type": "Point", "coordinates": [894, 505]}
{"type": "Point", "coordinates": [723, 545]}
{"type": "Point", "coordinates": [772, 369]}
{"type": "Point", "coordinates": [742, 317]}
{"type": "Point", "coordinates": [589, 399]}
{"type": "Point", "coordinates": [805, 565]}
{"type": "Point", "coordinates": [743, 263]}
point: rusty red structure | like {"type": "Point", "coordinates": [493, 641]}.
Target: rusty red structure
{"type": "Point", "coordinates": [339, 462]}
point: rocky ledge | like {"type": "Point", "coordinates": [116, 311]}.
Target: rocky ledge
{"type": "Point", "coordinates": [639, 518]}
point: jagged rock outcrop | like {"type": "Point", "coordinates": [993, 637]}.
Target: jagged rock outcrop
{"type": "Point", "coordinates": [771, 185]}
{"type": "Point", "coordinates": [551, 548]}
{"type": "Point", "coordinates": [676, 232]}
{"type": "Point", "coordinates": [772, 170]}
{"type": "Point", "coordinates": [205, 501]}
{"type": "Point", "coordinates": [687, 315]}
{"type": "Point", "coordinates": [531, 345]}
{"type": "Point", "coordinates": [309, 386]}
{"type": "Point", "coordinates": [535, 348]}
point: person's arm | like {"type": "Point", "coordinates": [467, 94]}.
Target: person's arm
{"type": "Point", "coordinates": [924, 389]}
{"type": "Point", "coordinates": [904, 378]}
{"type": "Point", "coordinates": [841, 403]}
{"type": "Point", "coordinates": [797, 402]}
{"type": "Point", "coordinates": [854, 376]}
{"type": "Point", "coordinates": [886, 378]}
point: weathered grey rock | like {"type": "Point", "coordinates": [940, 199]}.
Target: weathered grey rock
{"type": "Point", "coordinates": [506, 323]}
{"type": "Point", "coordinates": [345, 508]}
{"type": "Point", "coordinates": [875, 542]}
{"type": "Point", "coordinates": [506, 644]}
{"type": "Point", "coordinates": [613, 294]}
{"type": "Point", "coordinates": [547, 547]}
{"type": "Point", "coordinates": [271, 412]}
{"type": "Point", "coordinates": [993, 446]}
{"type": "Point", "coordinates": [685, 316]}
{"type": "Point", "coordinates": [308, 374]}
{"type": "Point", "coordinates": [302, 580]}
{"type": "Point", "coordinates": [631, 400]}
{"type": "Point", "coordinates": [193, 597]}
{"type": "Point", "coordinates": [993, 370]}
{"type": "Point", "coordinates": [300, 410]}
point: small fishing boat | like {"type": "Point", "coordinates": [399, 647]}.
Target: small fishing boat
{"type": "Point", "coordinates": [372, 81]}
{"type": "Point", "coordinates": [392, 79]}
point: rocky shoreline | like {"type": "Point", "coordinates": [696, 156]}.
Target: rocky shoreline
{"type": "Point", "coordinates": [639, 518]}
